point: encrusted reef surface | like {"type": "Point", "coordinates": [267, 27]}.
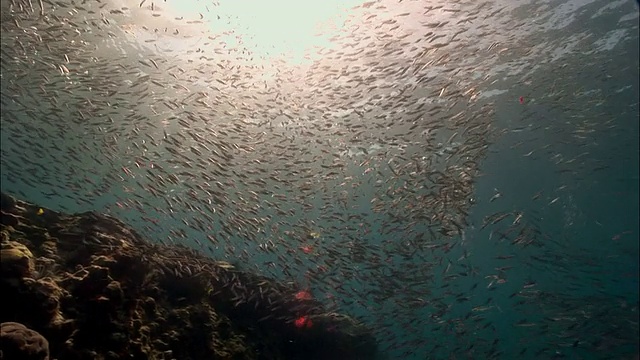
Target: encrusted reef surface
{"type": "Point", "coordinates": [85, 286]}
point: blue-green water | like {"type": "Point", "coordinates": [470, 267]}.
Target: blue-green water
{"type": "Point", "coordinates": [467, 184]}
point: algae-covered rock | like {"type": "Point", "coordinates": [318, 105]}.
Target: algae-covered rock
{"type": "Point", "coordinates": [17, 260]}
{"type": "Point", "coordinates": [20, 342]}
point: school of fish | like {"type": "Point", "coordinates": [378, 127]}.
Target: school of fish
{"type": "Point", "coordinates": [351, 174]}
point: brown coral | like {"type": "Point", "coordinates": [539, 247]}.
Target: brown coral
{"type": "Point", "coordinates": [20, 342]}
{"type": "Point", "coordinates": [17, 260]}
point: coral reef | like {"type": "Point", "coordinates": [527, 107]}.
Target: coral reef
{"type": "Point", "coordinates": [86, 286]}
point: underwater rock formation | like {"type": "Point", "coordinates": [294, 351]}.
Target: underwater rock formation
{"type": "Point", "coordinates": [86, 286]}
{"type": "Point", "coordinates": [19, 342]}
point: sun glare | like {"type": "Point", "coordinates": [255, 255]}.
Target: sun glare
{"type": "Point", "coordinates": [270, 28]}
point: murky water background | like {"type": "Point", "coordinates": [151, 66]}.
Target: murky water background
{"type": "Point", "coordinates": [461, 176]}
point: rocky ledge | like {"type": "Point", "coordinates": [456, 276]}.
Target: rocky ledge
{"type": "Point", "coordinates": [86, 286]}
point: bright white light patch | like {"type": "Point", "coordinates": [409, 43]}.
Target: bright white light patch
{"type": "Point", "coordinates": [272, 27]}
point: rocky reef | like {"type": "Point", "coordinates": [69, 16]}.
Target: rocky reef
{"type": "Point", "coordinates": [85, 286]}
